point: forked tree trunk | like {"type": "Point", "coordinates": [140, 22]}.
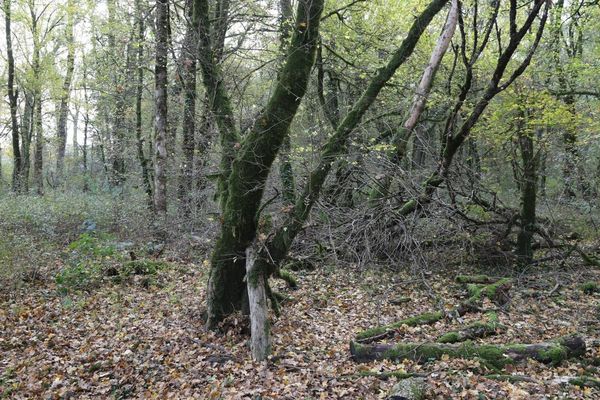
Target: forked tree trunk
{"type": "Point", "coordinates": [251, 167]}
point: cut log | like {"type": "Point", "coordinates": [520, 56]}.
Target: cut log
{"type": "Point", "coordinates": [412, 388]}
{"type": "Point", "coordinates": [475, 330]}
{"type": "Point", "coordinates": [496, 356]}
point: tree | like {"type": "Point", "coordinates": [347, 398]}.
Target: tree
{"type": "Point", "coordinates": [66, 91]}
{"type": "Point", "coordinates": [160, 99]}
{"type": "Point", "coordinates": [251, 166]}
{"type": "Point", "coordinates": [17, 176]}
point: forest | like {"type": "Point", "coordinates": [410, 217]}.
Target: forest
{"type": "Point", "coordinates": [300, 199]}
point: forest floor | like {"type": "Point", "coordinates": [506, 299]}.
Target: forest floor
{"type": "Point", "coordinates": [140, 337]}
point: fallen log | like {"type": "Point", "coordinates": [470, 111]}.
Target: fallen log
{"type": "Point", "coordinates": [496, 356]}
{"type": "Point", "coordinates": [497, 292]}
{"type": "Point", "coordinates": [475, 330]}
{"type": "Point", "coordinates": [384, 331]}
{"type": "Point", "coordinates": [481, 279]}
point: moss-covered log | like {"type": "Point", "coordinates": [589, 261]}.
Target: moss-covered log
{"type": "Point", "coordinates": [497, 292]}
{"type": "Point", "coordinates": [383, 331]}
{"type": "Point", "coordinates": [480, 279]}
{"type": "Point", "coordinates": [475, 330]}
{"type": "Point", "coordinates": [497, 356]}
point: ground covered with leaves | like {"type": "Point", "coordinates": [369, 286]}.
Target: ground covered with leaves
{"type": "Point", "coordinates": [95, 324]}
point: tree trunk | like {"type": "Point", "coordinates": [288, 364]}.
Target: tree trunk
{"type": "Point", "coordinates": [189, 56]}
{"type": "Point", "coordinates": [256, 277]}
{"type": "Point", "coordinates": [528, 186]}
{"type": "Point", "coordinates": [138, 104]}
{"type": "Point", "coordinates": [160, 125]}
{"type": "Point", "coordinates": [402, 136]}
{"type": "Point", "coordinates": [65, 94]}
{"type": "Point", "coordinates": [17, 176]}
{"type": "Point", "coordinates": [497, 356]}
{"type": "Point", "coordinates": [250, 169]}
{"type": "Point", "coordinates": [26, 135]}
{"type": "Point", "coordinates": [218, 98]}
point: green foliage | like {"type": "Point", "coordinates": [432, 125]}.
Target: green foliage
{"type": "Point", "coordinates": [590, 287]}
{"type": "Point", "coordinates": [93, 245]}
{"type": "Point", "coordinates": [79, 276]}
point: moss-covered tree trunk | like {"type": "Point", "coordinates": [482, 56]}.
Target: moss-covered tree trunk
{"type": "Point", "coordinates": [138, 103]}
{"type": "Point", "coordinates": [218, 97]}
{"type": "Point", "coordinates": [528, 186]}
{"type": "Point", "coordinates": [251, 167]}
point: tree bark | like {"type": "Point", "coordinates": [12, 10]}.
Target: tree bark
{"type": "Point", "coordinates": [190, 57]}
{"type": "Point", "coordinates": [160, 99]}
{"type": "Point", "coordinates": [218, 98]}
{"type": "Point", "coordinates": [17, 175]}
{"type": "Point", "coordinates": [256, 276]}
{"type": "Point", "coordinates": [250, 169]}
{"type": "Point", "coordinates": [138, 104]}
{"type": "Point", "coordinates": [65, 94]}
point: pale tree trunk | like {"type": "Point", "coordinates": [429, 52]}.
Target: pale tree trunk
{"type": "Point", "coordinates": [256, 277]}
{"type": "Point", "coordinates": [38, 162]}
{"type": "Point", "coordinates": [65, 94]}
{"type": "Point", "coordinates": [26, 135]}
{"type": "Point", "coordinates": [17, 176]}
{"type": "Point", "coordinates": [401, 138]}
{"type": "Point", "coordinates": [160, 123]}
{"type": "Point", "coordinates": [75, 128]}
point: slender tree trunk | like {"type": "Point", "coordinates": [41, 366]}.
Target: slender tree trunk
{"type": "Point", "coordinates": [75, 132]}
{"type": "Point", "coordinates": [26, 135]}
{"type": "Point", "coordinates": [17, 176]}
{"type": "Point", "coordinates": [38, 162]}
{"type": "Point", "coordinates": [250, 169]}
{"type": "Point", "coordinates": [528, 197]}
{"type": "Point", "coordinates": [66, 91]}
{"type": "Point", "coordinates": [402, 136]}
{"type": "Point", "coordinates": [160, 125]}
{"type": "Point", "coordinates": [84, 152]}
{"type": "Point", "coordinates": [188, 68]}
{"type": "Point", "coordinates": [219, 99]}
{"type": "Point", "coordinates": [138, 104]}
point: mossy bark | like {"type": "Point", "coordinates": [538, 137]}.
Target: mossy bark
{"type": "Point", "coordinates": [379, 332]}
{"type": "Point", "coordinates": [251, 167]}
{"type": "Point", "coordinates": [481, 279]}
{"type": "Point", "coordinates": [496, 356]}
{"type": "Point", "coordinates": [496, 292]}
{"type": "Point", "coordinates": [475, 330]}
